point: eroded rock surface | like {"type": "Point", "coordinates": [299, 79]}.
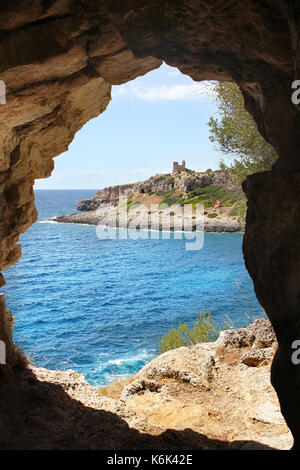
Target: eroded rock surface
{"type": "Point", "coordinates": [181, 183]}
{"type": "Point", "coordinates": [212, 389]}
{"type": "Point", "coordinates": [204, 397]}
{"type": "Point", "coordinates": [162, 202]}
{"type": "Point", "coordinates": [58, 60]}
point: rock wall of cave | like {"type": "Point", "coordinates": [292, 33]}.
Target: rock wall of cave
{"type": "Point", "coordinates": [59, 58]}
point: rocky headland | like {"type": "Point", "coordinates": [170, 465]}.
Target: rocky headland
{"type": "Point", "coordinates": [165, 202]}
{"type": "Point", "coordinates": [210, 396]}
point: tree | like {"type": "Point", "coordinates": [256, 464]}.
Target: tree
{"type": "Point", "coordinates": [236, 135]}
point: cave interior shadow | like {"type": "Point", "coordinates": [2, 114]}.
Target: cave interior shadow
{"type": "Point", "coordinates": [39, 415]}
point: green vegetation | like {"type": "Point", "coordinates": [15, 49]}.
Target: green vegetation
{"type": "Point", "coordinates": [159, 178]}
{"type": "Point", "coordinates": [237, 137]}
{"type": "Point", "coordinates": [239, 211]}
{"type": "Point", "coordinates": [130, 204]}
{"type": "Point", "coordinates": [204, 329]}
{"type": "Point", "coordinates": [134, 206]}
{"type": "Point", "coordinates": [170, 198]}
{"type": "Point", "coordinates": [129, 201]}
{"type": "Point", "coordinates": [208, 196]}
{"type": "Point", "coordinates": [213, 215]}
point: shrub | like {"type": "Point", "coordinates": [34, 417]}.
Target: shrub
{"type": "Point", "coordinates": [129, 201]}
{"type": "Point", "coordinates": [204, 330]}
{"type": "Point", "coordinates": [159, 178]}
{"type": "Point", "coordinates": [239, 211]}
{"type": "Point", "coordinates": [209, 194]}
{"type": "Point", "coordinates": [133, 206]}
{"type": "Point", "coordinates": [236, 136]}
{"type": "Point", "coordinates": [169, 198]}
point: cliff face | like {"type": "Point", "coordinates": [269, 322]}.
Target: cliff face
{"type": "Point", "coordinates": [109, 195]}
{"type": "Point", "coordinates": [175, 183]}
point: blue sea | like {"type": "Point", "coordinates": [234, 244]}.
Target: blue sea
{"type": "Point", "coordinates": [99, 306]}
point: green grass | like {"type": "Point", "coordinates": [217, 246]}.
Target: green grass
{"type": "Point", "coordinates": [206, 196]}
{"type": "Point", "coordinates": [129, 201]}
{"type": "Point", "coordinates": [159, 178]}
{"type": "Point", "coordinates": [213, 215]}
{"type": "Point", "coordinates": [170, 198]}
{"type": "Point", "coordinates": [239, 211]}
{"type": "Point", "coordinates": [204, 330]}
{"type": "Point", "coordinates": [209, 194]}
{"type": "Point", "coordinates": [130, 204]}
{"type": "Point", "coordinates": [133, 206]}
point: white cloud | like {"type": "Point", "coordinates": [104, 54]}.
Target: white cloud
{"type": "Point", "coordinates": [166, 92]}
{"type": "Point", "coordinates": [173, 73]}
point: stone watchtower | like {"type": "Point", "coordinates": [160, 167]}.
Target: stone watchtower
{"type": "Point", "coordinates": [177, 167]}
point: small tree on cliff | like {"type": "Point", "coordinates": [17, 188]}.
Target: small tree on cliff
{"type": "Point", "coordinates": [236, 135]}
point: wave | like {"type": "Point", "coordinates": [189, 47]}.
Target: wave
{"type": "Point", "coordinates": [120, 368]}
{"type": "Point", "coordinates": [50, 221]}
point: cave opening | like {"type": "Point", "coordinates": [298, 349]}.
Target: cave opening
{"type": "Point", "coordinates": [73, 308]}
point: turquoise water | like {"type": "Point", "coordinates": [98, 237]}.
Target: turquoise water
{"type": "Point", "coordinates": [98, 306]}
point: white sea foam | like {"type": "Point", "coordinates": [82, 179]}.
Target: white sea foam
{"type": "Point", "coordinates": [130, 359]}
{"type": "Point", "coordinates": [50, 221]}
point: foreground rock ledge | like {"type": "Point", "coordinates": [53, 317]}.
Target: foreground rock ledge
{"type": "Point", "coordinates": [211, 396]}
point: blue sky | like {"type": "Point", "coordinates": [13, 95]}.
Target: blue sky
{"type": "Point", "coordinates": [150, 122]}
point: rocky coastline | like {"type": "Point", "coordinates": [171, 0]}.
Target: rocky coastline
{"type": "Point", "coordinates": [222, 224]}
{"type": "Point", "coordinates": [168, 202]}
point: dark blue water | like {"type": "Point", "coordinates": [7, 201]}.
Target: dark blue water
{"type": "Point", "coordinates": [99, 306]}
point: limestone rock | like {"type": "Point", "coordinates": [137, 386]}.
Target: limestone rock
{"type": "Point", "coordinates": [177, 183]}
{"type": "Point", "coordinates": [254, 358]}
{"type": "Point", "coordinates": [138, 387]}
{"type": "Point", "coordinates": [168, 405]}
{"type": "Point", "coordinates": [259, 334]}
{"type": "Point", "coordinates": [193, 365]}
